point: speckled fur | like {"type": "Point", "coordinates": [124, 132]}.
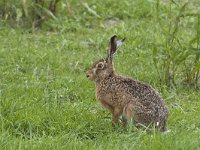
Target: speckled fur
{"type": "Point", "coordinates": [126, 97]}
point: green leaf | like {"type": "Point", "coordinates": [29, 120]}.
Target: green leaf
{"type": "Point", "coordinates": [48, 12]}
{"type": "Point", "coordinates": [155, 53]}
{"type": "Point", "coordinates": [181, 57]}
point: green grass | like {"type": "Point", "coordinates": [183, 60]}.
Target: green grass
{"type": "Point", "coordinates": [46, 102]}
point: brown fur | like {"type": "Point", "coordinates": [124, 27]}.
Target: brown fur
{"type": "Point", "coordinates": [126, 97]}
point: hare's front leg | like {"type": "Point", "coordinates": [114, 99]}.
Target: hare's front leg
{"type": "Point", "coordinates": [115, 116]}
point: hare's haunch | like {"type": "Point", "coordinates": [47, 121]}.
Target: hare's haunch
{"type": "Point", "coordinates": [124, 96]}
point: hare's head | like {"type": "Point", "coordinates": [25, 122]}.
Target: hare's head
{"type": "Point", "coordinates": [104, 67]}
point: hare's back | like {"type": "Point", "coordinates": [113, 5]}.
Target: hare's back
{"type": "Point", "coordinates": [146, 94]}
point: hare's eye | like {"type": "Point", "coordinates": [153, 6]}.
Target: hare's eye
{"type": "Point", "coordinates": [100, 66]}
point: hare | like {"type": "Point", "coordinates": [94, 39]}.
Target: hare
{"type": "Point", "coordinates": [126, 97]}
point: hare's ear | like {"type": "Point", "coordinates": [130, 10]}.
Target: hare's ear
{"type": "Point", "coordinates": [114, 45]}
{"type": "Point", "coordinates": [120, 42]}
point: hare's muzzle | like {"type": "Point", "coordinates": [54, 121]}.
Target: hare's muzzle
{"type": "Point", "coordinates": [87, 75]}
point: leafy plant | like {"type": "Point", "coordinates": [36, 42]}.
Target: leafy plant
{"type": "Point", "coordinates": [177, 58]}
{"type": "Point", "coordinates": [28, 13]}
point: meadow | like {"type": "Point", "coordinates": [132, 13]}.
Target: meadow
{"type": "Point", "coordinates": [46, 101]}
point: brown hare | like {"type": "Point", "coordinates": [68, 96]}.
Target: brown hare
{"type": "Point", "coordinates": [126, 97]}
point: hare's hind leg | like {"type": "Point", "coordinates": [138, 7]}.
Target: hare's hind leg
{"type": "Point", "coordinates": [162, 126]}
{"type": "Point", "coordinates": [124, 121]}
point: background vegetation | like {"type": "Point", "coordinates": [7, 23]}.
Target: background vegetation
{"type": "Point", "coordinates": [46, 45]}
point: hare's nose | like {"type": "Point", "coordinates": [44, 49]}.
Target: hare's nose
{"type": "Point", "coordinates": [87, 75]}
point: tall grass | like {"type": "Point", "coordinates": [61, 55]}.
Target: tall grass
{"type": "Point", "coordinates": [177, 58]}
{"type": "Point", "coordinates": [28, 13]}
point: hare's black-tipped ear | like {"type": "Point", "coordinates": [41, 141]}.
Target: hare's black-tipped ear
{"type": "Point", "coordinates": [112, 49]}
{"type": "Point", "coordinates": [114, 45]}
{"type": "Point", "coordinates": [120, 42]}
